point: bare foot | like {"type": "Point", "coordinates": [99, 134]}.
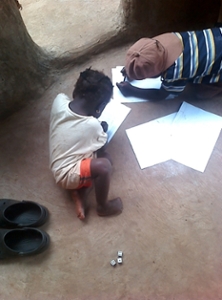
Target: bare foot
{"type": "Point", "coordinates": [79, 205]}
{"type": "Point", "coordinates": [112, 207]}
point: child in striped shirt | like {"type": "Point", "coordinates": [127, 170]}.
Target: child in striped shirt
{"type": "Point", "coordinates": [179, 58]}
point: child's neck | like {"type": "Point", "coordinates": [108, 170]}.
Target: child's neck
{"type": "Point", "coordinates": [78, 108]}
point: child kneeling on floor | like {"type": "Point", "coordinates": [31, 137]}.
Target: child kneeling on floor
{"type": "Point", "coordinates": [77, 143]}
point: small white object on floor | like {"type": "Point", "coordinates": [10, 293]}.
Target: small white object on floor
{"type": "Point", "coordinates": [119, 260]}
{"type": "Point", "coordinates": [113, 263]}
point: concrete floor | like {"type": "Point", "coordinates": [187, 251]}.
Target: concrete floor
{"type": "Point", "coordinates": [169, 231]}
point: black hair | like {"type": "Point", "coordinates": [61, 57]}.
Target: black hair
{"type": "Point", "coordinates": [93, 85]}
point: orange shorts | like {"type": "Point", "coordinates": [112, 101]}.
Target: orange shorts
{"type": "Point", "coordinates": [85, 174]}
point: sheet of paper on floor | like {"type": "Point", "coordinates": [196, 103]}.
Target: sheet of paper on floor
{"type": "Point", "coordinates": [114, 114]}
{"type": "Point", "coordinates": [194, 134]}
{"type": "Point", "coordinates": [187, 137]}
{"type": "Point", "coordinates": [146, 83]}
{"type": "Point", "coordinates": [151, 141]}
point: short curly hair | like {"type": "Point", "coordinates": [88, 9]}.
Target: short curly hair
{"type": "Point", "coordinates": [93, 85]}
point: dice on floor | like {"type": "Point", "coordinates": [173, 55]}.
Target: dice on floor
{"type": "Point", "coordinates": [119, 260]}
{"type": "Point", "coordinates": [113, 263]}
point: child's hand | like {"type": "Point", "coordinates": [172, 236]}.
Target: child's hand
{"type": "Point", "coordinates": [125, 88]}
{"type": "Point", "coordinates": [104, 126]}
{"type": "Point", "coordinates": [123, 71]}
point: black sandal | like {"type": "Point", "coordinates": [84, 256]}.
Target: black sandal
{"type": "Point", "coordinates": [14, 214]}
{"type": "Point", "coordinates": [20, 242]}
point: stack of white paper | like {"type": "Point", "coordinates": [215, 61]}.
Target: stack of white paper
{"type": "Point", "coordinates": [194, 135]}
{"type": "Point", "coordinates": [150, 141]}
{"type": "Point", "coordinates": [187, 137]}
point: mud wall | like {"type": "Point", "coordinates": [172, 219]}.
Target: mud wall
{"type": "Point", "coordinates": [150, 17]}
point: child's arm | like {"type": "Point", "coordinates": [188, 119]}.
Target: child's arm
{"type": "Point", "coordinates": [102, 153]}
{"type": "Point", "coordinates": [149, 94]}
{"type": "Point", "coordinates": [103, 148]}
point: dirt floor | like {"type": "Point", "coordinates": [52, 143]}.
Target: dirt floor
{"type": "Point", "coordinates": [170, 228]}
{"type": "Point", "coordinates": [65, 25]}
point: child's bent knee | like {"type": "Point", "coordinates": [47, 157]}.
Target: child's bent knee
{"type": "Point", "coordinates": [100, 166]}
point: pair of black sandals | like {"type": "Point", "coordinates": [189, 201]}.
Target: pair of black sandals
{"type": "Point", "coordinates": [19, 236]}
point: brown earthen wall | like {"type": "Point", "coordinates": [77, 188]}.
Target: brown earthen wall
{"type": "Point", "coordinates": [150, 17]}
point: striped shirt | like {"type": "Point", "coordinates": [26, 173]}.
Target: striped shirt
{"type": "Point", "coordinates": [200, 61]}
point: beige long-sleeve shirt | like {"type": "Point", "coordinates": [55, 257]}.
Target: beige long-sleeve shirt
{"type": "Point", "coordinates": [72, 137]}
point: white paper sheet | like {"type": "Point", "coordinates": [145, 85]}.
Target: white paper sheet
{"type": "Point", "coordinates": [187, 137]}
{"type": "Point", "coordinates": [151, 141]}
{"type": "Point", "coordinates": [194, 134]}
{"type": "Point", "coordinates": [146, 83]}
{"type": "Point", "coordinates": [114, 114]}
